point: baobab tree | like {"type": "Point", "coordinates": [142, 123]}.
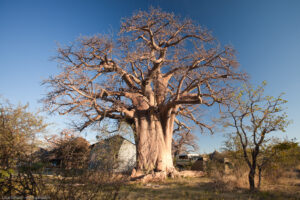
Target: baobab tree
{"type": "Point", "coordinates": [159, 70]}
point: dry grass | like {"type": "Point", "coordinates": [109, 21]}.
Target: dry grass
{"type": "Point", "coordinates": [202, 188]}
{"type": "Point", "coordinates": [289, 183]}
{"type": "Point", "coordinates": [220, 186]}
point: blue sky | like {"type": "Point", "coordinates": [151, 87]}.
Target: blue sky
{"type": "Point", "coordinates": [266, 35]}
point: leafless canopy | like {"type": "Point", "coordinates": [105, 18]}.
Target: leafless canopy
{"type": "Point", "coordinates": [184, 141]}
{"type": "Point", "coordinates": [158, 62]}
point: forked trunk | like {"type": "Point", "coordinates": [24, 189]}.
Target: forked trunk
{"type": "Point", "coordinates": [259, 177]}
{"type": "Point", "coordinates": [252, 179]}
{"type": "Point", "coordinates": [154, 138]}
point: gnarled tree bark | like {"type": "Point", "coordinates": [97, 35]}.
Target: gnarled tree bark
{"type": "Point", "coordinates": [154, 141]}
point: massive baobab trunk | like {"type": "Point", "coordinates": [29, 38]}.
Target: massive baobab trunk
{"type": "Point", "coordinates": [158, 71]}
{"type": "Point", "coordinates": [154, 141]}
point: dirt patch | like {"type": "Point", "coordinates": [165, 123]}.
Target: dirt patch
{"type": "Point", "coordinates": [190, 173]}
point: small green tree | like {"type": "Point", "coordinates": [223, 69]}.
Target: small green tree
{"type": "Point", "coordinates": [253, 117]}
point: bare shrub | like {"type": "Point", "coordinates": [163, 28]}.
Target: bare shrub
{"type": "Point", "coordinates": [88, 184]}
{"type": "Point", "coordinates": [236, 177]}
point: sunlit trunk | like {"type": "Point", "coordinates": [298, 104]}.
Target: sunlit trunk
{"type": "Point", "coordinates": [154, 138]}
{"type": "Point", "coordinates": [253, 168]}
